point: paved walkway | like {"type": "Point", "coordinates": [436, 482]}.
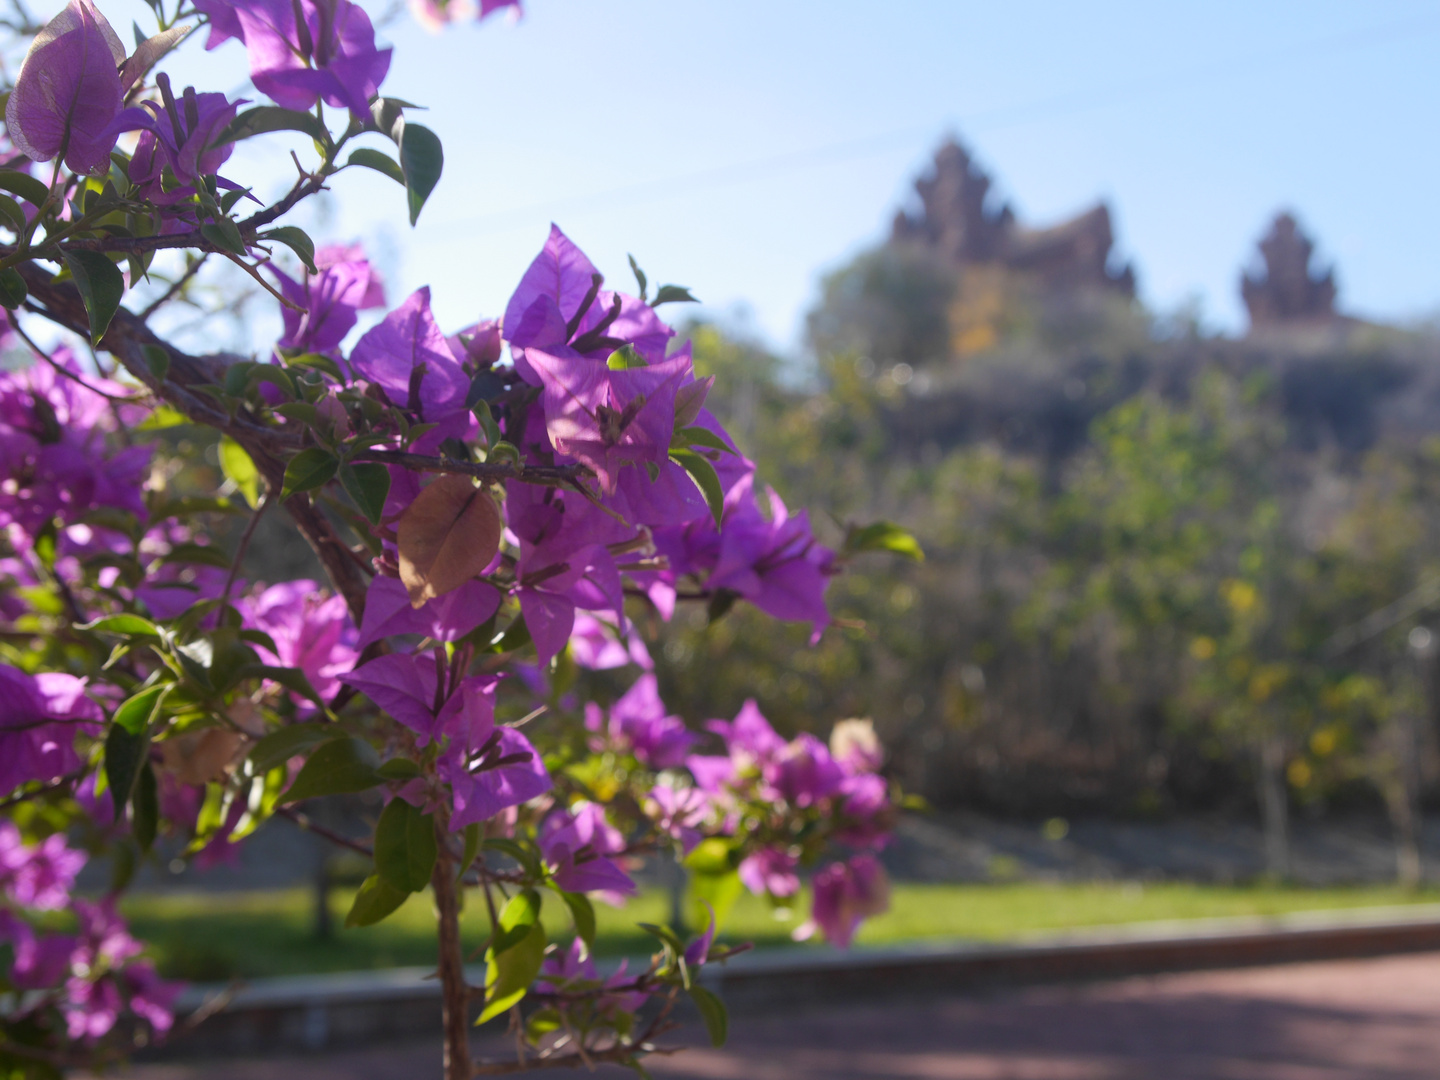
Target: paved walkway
{"type": "Point", "coordinates": [1351, 1020]}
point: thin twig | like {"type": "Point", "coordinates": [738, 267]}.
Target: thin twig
{"type": "Point", "coordinates": [535, 474]}
{"type": "Point", "coordinates": [175, 287]}
{"type": "Point", "coordinates": [310, 825]}
{"type": "Point", "coordinates": [260, 508]}
{"type": "Point", "coordinates": [54, 785]}
{"type": "Point", "coordinates": [63, 370]}
{"type": "Point", "coordinates": [285, 301]}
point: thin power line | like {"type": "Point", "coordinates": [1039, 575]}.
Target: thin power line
{"type": "Point", "coordinates": [989, 119]}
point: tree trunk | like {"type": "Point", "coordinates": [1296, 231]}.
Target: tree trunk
{"type": "Point", "coordinates": [455, 997]}
{"type": "Point", "coordinates": [1274, 808]}
{"type": "Point", "coordinates": [1402, 799]}
{"type": "Point", "coordinates": [324, 924]}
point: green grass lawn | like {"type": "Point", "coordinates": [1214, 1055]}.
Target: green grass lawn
{"type": "Point", "coordinates": [217, 936]}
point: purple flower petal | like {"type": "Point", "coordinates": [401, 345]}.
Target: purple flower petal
{"type": "Point", "coordinates": [68, 95]}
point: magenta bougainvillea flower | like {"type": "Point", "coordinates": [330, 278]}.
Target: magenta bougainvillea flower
{"type": "Point", "coordinates": [40, 715]}
{"type": "Point", "coordinates": [564, 562]}
{"type": "Point", "coordinates": [559, 308]}
{"type": "Point", "coordinates": [803, 772]}
{"type": "Point", "coordinates": [577, 844]}
{"type": "Point", "coordinates": [771, 871]}
{"type": "Point", "coordinates": [749, 736]}
{"type": "Point", "coordinates": [180, 132]}
{"type": "Point", "coordinates": [678, 813]}
{"type": "Point", "coordinates": [639, 723]}
{"type": "Point", "coordinates": [598, 646]}
{"type": "Point", "coordinates": [774, 563]}
{"type": "Point", "coordinates": [37, 876]}
{"type": "Point", "coordinates": [407, 356]}
{"type": "Point", "coordinates": [607, 418]}
{"type": "Point", "coordinates": [406, 686]}
{"type": "Point", "coordinates": [311, 631]}
{"type": "Point", "coordinates": [304, 51]}
{"type": "Point", "coordinates": [67, 99]}
{"type": "Point", "coordinates": [846, 893]}
{"type": "Point", "coordinates": [53, 451]}
{"type": "Point", "coordinates": [505, 772]}
{"type": "Point", "coordinates": [329, 301]}
{"type": "Point", "coordinates": [388, 611]}
{"type": "Point", "coordinates": [574, 969]}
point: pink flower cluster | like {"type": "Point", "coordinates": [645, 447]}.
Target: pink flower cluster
{"type": "Point", "coordinates": [90, 978]}
{"type": "Point", "coordinates": [776, 785]}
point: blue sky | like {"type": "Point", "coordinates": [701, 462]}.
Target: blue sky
{"type": "Point", "coordinates": [743, 148]}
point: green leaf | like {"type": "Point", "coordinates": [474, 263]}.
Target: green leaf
{"type": "Point", "coordinates": [508, 975]}
{"type": "Point", "coordinates": [237, 376]}
{"type": "Point", "coordinates": [101, 288]}
{"type": "Point", "coordinates": [665, 935]}
{"type": "Point", "coordinates": [297, 240]}
{"type": "Point", "coordinates": [640, 278]}
{"type": "Point", "coordinates": [319, 363]}
{"type": "Point", "coordinates": [521, 854]}
{"type": "Point", "coordinates": [517, 918]}
{"type": "Point", "coordinates": [299, 410]}
{"type": "Point", "coordinates": [267, 118]}
{"type": "Point", "coordinates": [472, 846]}
{"type": "Point", "coordinates": [124, 754]}
{"type": "Point", "coordinates": [225, 235]}
{"type": "Point", "coordinates": [197, 555]}
{"type": "Point", "coordinates": [421, 160]}
{"type": "Point", "coordinates": [157, 360]}
{"type": "Point", "coordinates": [701, 436]}
{"type": "Point", "coordinates": [23, 184]}
{"type": "Point", "coordinates": [230, 198]}
{"type": "Point", "coordinates": [131, 625]}
{"type": "Point", "coordinates": [583, 914]}
{"type": "Point", "coordinates": [13, 214]}
{"type": "Point", "coordinates": [516, 636]}
{"type": "Point", "coordinates": [673, 294]}
{"type": "Point", "coordinates": [405, 848]}
{"type": "Point", "coordinates": [376, 900]}
{"type": "Point", "coordinates": [238, 468]}
{"type": "Point", "coordinates": [13, 289]}
{"type": "Point", "coordinates": [368, 483]}
{"type": "Point", "coordinates": [163, 417]}
{"type": "Point", "coordinates": [706, 479]}
{"type": "Point", "coordinates": [625, 357]}
{"type": "Point", "coordinates": [338, 767]}
{"type": "Point", "coordinates": [280, 746]}
{"type": "Point", "coordinates": [884, 536]}
{"type": "Point", "coordinates": [293, 679]}
{"type": "Point", "coordinates": [145, 808]}
{"type": "Point", "coordinates": [399, 768]}
{"type": "Point", "coordinates": [713, 879]}
{"type": "Point", "coordinates": [381, 163]}
{"type": "Point", "coordinates": [308, 470]}
{"type": "Point", "coordinates": [277, 376]}
{"type": "Point", "coordinates": [541, 1022]}
{"type": "Point", "coordinates": [388, 115]}
{"type": "Point", "coordinates": [259, 637]}
{"type": "Point", "coordinates": [712, 1011]}
{"type": "Point", "coordinates": [135, 712]}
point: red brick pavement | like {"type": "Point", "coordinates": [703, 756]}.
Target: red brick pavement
{"type": "Point", "coordinates": [1349, 1020]}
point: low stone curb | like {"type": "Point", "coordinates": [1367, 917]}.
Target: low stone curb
{"type": "Point", "coordinates": [323, 1011]}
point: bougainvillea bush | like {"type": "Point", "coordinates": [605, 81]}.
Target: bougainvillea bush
{"type": "Point", "coordinates": [493, 508]}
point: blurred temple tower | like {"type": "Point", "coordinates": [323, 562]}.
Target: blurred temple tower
{"type": "Point", "coordinates": [957, 223]}
{"type": "Point", "coordinates": [1284, 291]}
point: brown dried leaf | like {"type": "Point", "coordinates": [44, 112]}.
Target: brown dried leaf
{"type": "Point", "coordinates": [198, 757]}
{"type": "Point", "coordinates": [447, 536]}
